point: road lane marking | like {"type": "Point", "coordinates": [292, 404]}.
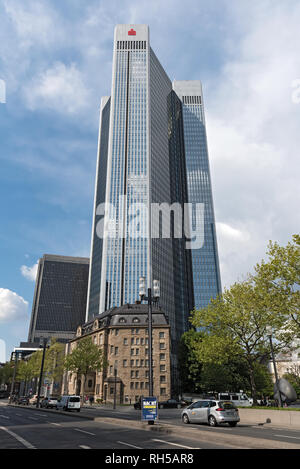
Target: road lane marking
{"type": "Point", "coordinates": [83, 431]}
{"type": "Point", "coordinates": [84, 447]}
{"type": "Point", "coordinates": [32, 418]}
{"type": "Point", "coordinates": [128, 444]}
{"type": "Point", "coordinates": [4, 416]}
{"type": "Point", "coordinates": [288, 436]}
{"type": "Point", "coordinates": [18, 438]}
{"type": "Point", "coordinates": [56, 424]}
{"type": "Point", "coordinates": [175, 444]}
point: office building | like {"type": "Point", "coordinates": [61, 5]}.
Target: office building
{"type": "Point", "coordinates": [152, 150]}
{"type": "Point", "coordinates": [60, 297]}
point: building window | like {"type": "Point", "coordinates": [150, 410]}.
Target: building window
{"type": "Point", "coordinates": [131, 363]}
{"type": "Point", "coordinates": [162, 356]}
{"type": "Point", "coordinates": [137, 341]}
{"type": "Point", "coordinates": [122, 320]}
{"type": "Point", "coordinates": [162, 379]}
{"type": "Point", "coordinates": [132, 340]}
{"type": "Point", "coordinates": [135, 320]}
{"type": "Point", "coordinates": [132, 374]}
{"type": "Point", "coordinates": [131, 385]}
{"type": "Point", "coordinates": [116, 350]}
{"type": "Point", "coordinates": [116, 331]}
{"type": "Point", "coordinates": [125, 341]}
{"type": "Point", "coordinates": [137, 374]}
{"type": "Point", "coordinates": [124, 363]}
{"type": "Point", "coordinates": [162, 346]}
{"type": "Point", "coordinates": [163, 391]}
{"type": "Point", "coordinates": [132, 351]}
{"type": "Point", "coordinates": [111, 349]}
{"type": "Point", "coordinates": [101, 339]}
{"type": "Point", "coordinates": [162, 367]}
{"type": "Point", "coordinates": [90, 383]}
{"type": "Point", "coordinates": [137, 351]}
{"type": "Point", "coordinates": [161, 335]}
{"type": "Point", "coordinates": [137, 385]}
{"type": "Point", "coordinates": [142, 341]}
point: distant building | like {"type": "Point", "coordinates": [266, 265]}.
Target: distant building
{"type": "Point", "coordinates": [60, 297]}
{"type": "Point", "coordinates": [122, 334]}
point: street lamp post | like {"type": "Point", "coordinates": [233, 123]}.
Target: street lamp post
{"type": "Point", "coordinates": [115, 390]}
{"type": "Point", "coordinates": [269, 333]}
{"type": "Point", "coordinates": [150, 298]}
{"type": "Point", "coordinates": [41, 373]}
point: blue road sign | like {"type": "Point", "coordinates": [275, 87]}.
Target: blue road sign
{"type": "Point", "coordinates": [149, 408]}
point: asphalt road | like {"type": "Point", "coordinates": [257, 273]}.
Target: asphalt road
{"type": "Point", "coordinates": [28, 428]}
{"type": "Point", "coordinates": [22, 428]}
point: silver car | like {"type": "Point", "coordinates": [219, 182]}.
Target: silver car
{"type": "Point", "coordinates": [211, 412]}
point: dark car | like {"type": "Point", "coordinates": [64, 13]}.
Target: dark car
{"type": "Point", "coordinates": [171, 404]}
{"type": "Point", "coordinates": [23, 400]}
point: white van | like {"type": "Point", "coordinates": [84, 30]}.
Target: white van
{"type": "Point", "coordinates": [68, 403]}
{"type": "Point", "coordinates": [240, 399]}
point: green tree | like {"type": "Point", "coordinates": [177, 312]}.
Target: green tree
{"type": "Point", "coordinates": [85, 358]}
{"type": "Point", "coordinates": [6, 373]}
{"type": "Point", "coordinates": [279, 281]}
{"type": "Point", "coordinates": [54, 361]}
{"type": "Point", "coordinates": [235, 326]}
{"type": "Point", "coordinates": [188, 361]}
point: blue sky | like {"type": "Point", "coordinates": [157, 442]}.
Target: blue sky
{"type": "Point", "coordinates": [55, 60]}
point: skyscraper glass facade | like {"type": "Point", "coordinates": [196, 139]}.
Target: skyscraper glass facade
{"type": "Point", "coordinates": [152, 150]}
{"type": "Point", "coordinates": [205, 262]}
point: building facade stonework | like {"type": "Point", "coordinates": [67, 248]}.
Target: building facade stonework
{"type": "Point", "coordinates": [122, 334]}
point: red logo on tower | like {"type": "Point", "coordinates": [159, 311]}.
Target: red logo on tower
{"type": "Point", "coordinates": [132, 32]}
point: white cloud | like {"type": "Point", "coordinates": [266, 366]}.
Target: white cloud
{"type": "Point", "coordinates": [253, 137]}
{"type": "Point", "coordinates": [60, 88]}
{"type": "Point", "coordinates": [12, 306]}
{"type": "Point", "coordinates": [29, 272]}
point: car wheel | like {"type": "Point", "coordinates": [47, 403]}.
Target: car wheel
{"type": "Point", "coordinates": [232, 424]}
{"type": "Point", "coordinates": [212, 421]}
{"type": "Point", "coordinates": [185, 419]}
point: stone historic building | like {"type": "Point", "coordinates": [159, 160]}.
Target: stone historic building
{"type": "Point", "coordinates": [122, 333]}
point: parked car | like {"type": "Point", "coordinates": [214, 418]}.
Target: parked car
{"type": "Point", "coordinates": [171, 404]}
{"type": "Point", "coordinates": [211, 412]}
{"type": "Point", "coordinates": [49, 402]}
{"type": "Point", "coordinates": [23, 400]}
{"type": "Point", "coordinates": [239, 399]}
{"type": "Point", "coordinates": [68, 403]}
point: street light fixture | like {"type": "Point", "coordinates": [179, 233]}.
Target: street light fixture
{"type": "Point", "coordinates": [269, 334]}
{"type": "Point", "coordinates": [150, 298]}
{"type": "Point", "coordinates": [44, 342]}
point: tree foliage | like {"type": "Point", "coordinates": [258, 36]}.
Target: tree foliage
{"type": "Point", "coordinates": [279, 281]}
{"type": "Point", "coordinates": [85, 358]}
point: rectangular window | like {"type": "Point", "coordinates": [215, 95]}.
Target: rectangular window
{"type": "Point", "coordinates": [163, 379]}
{"type": "Point", "coordinates": [162, 367]}
{"type": "Point", "coordinates": [125, 341]}
{"type": "Point", "coordinates": [162, 346]}
{"type": "Point", "coordinates": [161, 335]}
{"type": "Point", "coordinates": [162, 391]}
{"type": "Point", "coordinates": [124, 363]}
{"type": "Point", "coordinates": [116, 350]}
{"type": "Point", "coordinates": [162, 356]}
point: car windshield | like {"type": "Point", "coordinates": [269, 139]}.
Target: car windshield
{"type": "Point", "coordinates": [74, 399]}
{"type": "Point", "coordinates": [226, 405]}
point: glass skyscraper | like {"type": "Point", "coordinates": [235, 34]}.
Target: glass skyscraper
{"type": "Point", "coordinates": [152, 150]}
